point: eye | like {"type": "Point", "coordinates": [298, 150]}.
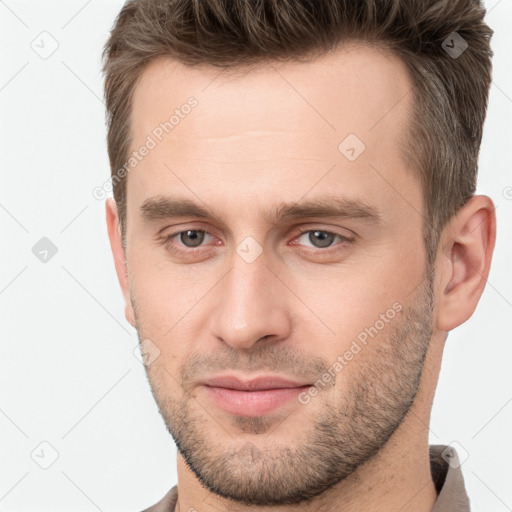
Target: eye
{"type": "Point", "coordinates": [321, 239]}
{"type": "Point", "coordinates": [183, 241]}
{"type": "Point", "coordinates": [191, 237]}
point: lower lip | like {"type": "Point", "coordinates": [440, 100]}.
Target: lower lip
{"type": "Point", "coordinates": [252, 403]}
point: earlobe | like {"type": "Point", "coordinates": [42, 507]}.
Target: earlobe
{"type": "Point", "coordinates": [464, 263]}
{"type": "Point", "coordinates": [114, 234]}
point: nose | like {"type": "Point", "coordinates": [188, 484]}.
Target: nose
{"type": "Point", "coordinates": [252, 304]}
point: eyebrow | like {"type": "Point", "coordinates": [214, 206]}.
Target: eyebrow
{"type": "Point", "coordinates": [167, 207]}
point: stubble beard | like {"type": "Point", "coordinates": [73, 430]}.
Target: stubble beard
{"type": "Point", "coordinates": [347, 431]}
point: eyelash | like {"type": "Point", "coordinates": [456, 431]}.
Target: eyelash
{"type": "Point", "coordinates": [301, 231]}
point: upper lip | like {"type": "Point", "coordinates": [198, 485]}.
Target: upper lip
{"type": "Point", "coordinates": [253, 384]}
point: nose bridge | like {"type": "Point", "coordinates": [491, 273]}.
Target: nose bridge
{"type": "Point", "coordinates": [251, 301]}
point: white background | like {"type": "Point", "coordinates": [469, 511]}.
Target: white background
{"type": "Point", "coordinates": [68, 375]}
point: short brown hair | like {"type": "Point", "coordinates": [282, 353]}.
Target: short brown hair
{"type": "Point", "coordinates": [450, 90]}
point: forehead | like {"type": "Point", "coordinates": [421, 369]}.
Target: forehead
{"type": "Point", "coordinates": [273, 124]}
{"type": "Point", "coordinates": [353, 87]}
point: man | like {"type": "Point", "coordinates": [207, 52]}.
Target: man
{"type": "Point", "coordinates": [295, 232]}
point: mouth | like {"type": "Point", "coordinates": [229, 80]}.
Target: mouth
{"type": "Point", "coordinates": [252, 397]}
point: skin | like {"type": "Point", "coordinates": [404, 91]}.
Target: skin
{"type": "Point", "coordinates": [255, 140]}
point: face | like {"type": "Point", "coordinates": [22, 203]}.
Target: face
{"type": "Point", "coordinates": [275, 232]}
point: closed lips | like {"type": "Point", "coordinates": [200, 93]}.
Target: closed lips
{"type": "Point", "coordinates": [257, 384]}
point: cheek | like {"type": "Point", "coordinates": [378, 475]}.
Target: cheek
{"type": "Point", "coordinates": [169, 303]}
{"type": "Point", "coordinates": [164, 292]}
{"type": "Point", "coordinates": [345, 305]}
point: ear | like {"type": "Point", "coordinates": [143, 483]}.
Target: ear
{"type": "Point", "coordinates": [465, 260]}
{"type": "Point", "coordinates": [114, 234]}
